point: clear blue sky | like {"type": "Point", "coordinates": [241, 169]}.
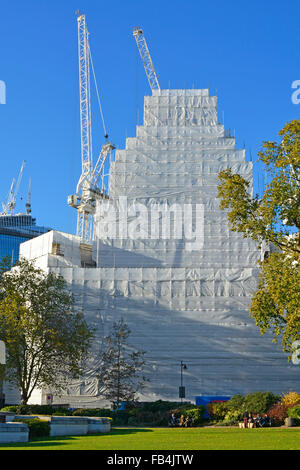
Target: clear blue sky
{"type": "Point", "coordinates": [245, 51]}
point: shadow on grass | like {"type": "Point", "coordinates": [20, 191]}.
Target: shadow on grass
{"type": "Point", "coordinates": [62, 440]}
{"type": "Point", "coordinates": [121, 431]}
{"type": "Point", "coordinates": [38, 442]}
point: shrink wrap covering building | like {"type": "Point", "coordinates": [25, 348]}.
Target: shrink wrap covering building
{"type": "Point", "coordinates": [165, 260]}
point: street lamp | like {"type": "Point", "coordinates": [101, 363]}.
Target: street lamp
{"type": "Point", "coordinates": [2, 365]}
{"type": "Point", "coordinates": [182, 388]}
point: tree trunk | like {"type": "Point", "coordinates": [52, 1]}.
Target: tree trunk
{"type": "Point", "coordinates": [24, 399]}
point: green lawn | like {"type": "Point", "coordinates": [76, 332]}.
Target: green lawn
{"type": "Point", "coordinates": [172, 439]}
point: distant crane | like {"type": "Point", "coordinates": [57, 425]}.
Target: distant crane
{"type": "Point", "coordinates": [146, 58]}
{"type": "Point", "coordinates": [88, 190]}
{"type": "Point", "coordinates": [10, 195]}
{"type": "Point", "coordinates": [28, 203]}
{"type": "Point", "coordinates": [9, 207]}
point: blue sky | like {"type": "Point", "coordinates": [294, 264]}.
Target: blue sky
{"type": "Point", "coordinates": [246, 52]}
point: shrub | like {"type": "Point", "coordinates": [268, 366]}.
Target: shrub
{"type": "Point", "coordinates": [291, 399]}
{"type": "Point", "coordinates": [160, 405]}
{"type": "Point", "coordinates": [132, 416]}
{"type": "Point", "coordinates": [132, 421]}
{"type": "Point", "coordinates": [148, 418]}
{"type": "Point", "coordinates": [61, 412]}
{"type": "Point", "coordinates": [49, 410]}
{"type": "Point", "coordinates": [260, 402]}
{"type": "Point", "coordinates": [80, 412]}
{"type": "Point", "coordinates": [236, 403]}
{"type": "Point", "coordinates": [157, 413]}
{"type": "Point", "coordinates": [145, 417]}
{"type": "Point", "coordinates": [10, 409]}
{"type": "Point", "coordinates": [97, 412]}
{"type": "Point", "coordinates": [210, 409]}
{"type": "Point", "coordinates": [36, 409]}
{"type": "Point", "coordinates": [232, 417]}
{"type": "Point", "coordinates": [120, 419]}
{"type": "Point", "coordinates": [195, 412]}
{"type": "Point", "coordinates": [278, 413]}
{"type": "Point", "coordinates": [161, 418]}
{"type": "Point", "coordinates": [23, 410]}
{"type": "Point", "coordinates": [37, 427]}
{"type": "Point", "coordinates": [294, 412]}
{"type": "Point", "coordinates": [218, 410]}
{"type": "Point", "coordinates": [133, 412]}
{"type": "Point", "coordinates": [257, 402]}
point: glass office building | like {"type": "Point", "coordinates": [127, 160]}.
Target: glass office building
{"type": "Point", "coordinates": [16, 229]}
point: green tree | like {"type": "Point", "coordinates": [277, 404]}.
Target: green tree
{"type": "Point", "coordinates": [275, 305]}
{"type": "Point", "coordinates": [273, 218]}
{"type": "Point", "coordinates": [120, 374]}
{"type": "Point", "coordinates": [5, 265]}
{"type": "Point", "coordinates": [47, 339]}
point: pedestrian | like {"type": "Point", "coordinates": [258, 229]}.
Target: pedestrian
{"type": "Point", "coordinates": [246, 417]}
{"type": "Point", "coordinates": [188, 422]}
{"type": "Point", "coordinates": [181, 421]}
{"type": "Point", "coordinates": [172, 421]}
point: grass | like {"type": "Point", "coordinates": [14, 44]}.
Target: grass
{"type": "Point", "coordinates": [172, 439]}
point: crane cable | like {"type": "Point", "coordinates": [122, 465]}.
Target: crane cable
{"type": "Point", "coordinates": [99, 102]}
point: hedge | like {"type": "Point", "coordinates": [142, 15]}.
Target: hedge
{"type": "Point", "coordinates": [37, 427]}
{"type": "Point", "coordinates": [36, 409]}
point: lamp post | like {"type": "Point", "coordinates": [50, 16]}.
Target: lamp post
{"type": "Point", "coordinates": [2, 365]}
{"type": "Point", "coordinates": [182, 388]}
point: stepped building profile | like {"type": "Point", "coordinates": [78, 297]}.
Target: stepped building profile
{"type": "Point", "coordinates": [165, 260]}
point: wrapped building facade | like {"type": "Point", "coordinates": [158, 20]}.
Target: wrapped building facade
{"type": "Point", "coordinates": [165, 260]}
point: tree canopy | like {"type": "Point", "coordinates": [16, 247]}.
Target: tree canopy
{"type": "Point", "coordinates": [46, 338]}
{"type": "Point", "coordinates": [274, 218]}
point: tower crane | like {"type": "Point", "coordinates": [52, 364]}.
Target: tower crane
{"type": "Point", "coordinates": [28, 203]}
{"type": "Point", "coordinates": [9, 207]}
{"type": "Point", "coordinates": [10, 195]}
{"type": "Point", "coordinates": [146, 58]}
{"type": "Point", "coordinates": [88, 190]}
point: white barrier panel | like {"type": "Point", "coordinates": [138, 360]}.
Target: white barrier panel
{"type": "Point", "coordinates": [13, 432]}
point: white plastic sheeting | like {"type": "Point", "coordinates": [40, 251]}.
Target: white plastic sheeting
{"type": "Point", "coordinates": [181, 301]}
{"type": "Point", "coordinates": [174, 160]}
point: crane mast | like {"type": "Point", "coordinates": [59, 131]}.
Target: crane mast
{"type": "Point", "coordinates": [10, 195]}
{"type": "Point", "coordinates": [146, 58]}
{"type": "Point", "coordinates": [85, 95]}
{"type": "Point", "coordinates": [9, 207]}
{"type": "Point", "coordinates": [88, 191]}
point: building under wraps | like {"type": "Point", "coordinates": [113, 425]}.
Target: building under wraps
{"type": "Point", "coordinates": [165, 260]}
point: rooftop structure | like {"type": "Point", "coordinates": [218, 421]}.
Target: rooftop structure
{"type": "Point", "coordinates": [16, 229]}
